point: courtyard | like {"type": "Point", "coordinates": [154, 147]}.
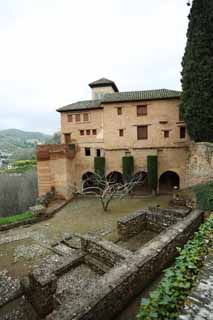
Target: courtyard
{"type": "Point", "coordinates": [24, 247]}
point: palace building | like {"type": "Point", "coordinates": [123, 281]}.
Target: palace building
{"type": "Point", "coordinates": [113, 125]}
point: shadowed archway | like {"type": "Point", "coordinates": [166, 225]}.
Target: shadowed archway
{"type": "Point", "coordinates": [88, 180]}
{"type": "Point", "coordinates": [167, 181]}
{"type": "Point", "coordinates": [115, 177]}
{"type": "Point", "coordinates": [142, 186]}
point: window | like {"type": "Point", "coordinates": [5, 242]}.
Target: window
{"type": "Point", "coordinates": [69, 117]}
{"type": "Point", "coordinates": [77, 117]}
{"type": "Point", "coordinates": [67, 138]}
{"type": "Point", "coordinates": [119, 111]}
{"type": "Point", "coordinates": [142, 110]}
{"type": "Point", "coordinates": [85, 116]}
{"type": "Point", "coordinates": [142, 132]}
{"type": "Point", "coordinates": [121, 132]}
{"type": "Point", "coordinates": [88, 132]}
{"type": "Point", "coordinates": [87, 152]}
{"type": "Point", "coordinates": [166, 134]}
{"type": "Point", "coordinates": [98, 152]}
{"type": "Point", "coordinates": [94, 132]}
{"type": "Point", "coordinates": [182, 132]}
{"type": "Point", "coordinates": [82, 132]}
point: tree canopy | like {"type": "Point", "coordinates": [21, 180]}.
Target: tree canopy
{"type": "Point", "coordinates": [197, 74]}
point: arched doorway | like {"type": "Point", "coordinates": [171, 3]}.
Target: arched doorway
{"type": "Point", "coordinates": [115, 177]}
{"type": "Point", "coordinates": [142, 183]}
{"type": "Point", "coordinates": [168, 180]}
{"type": "Point", "coordinates": [88, 180]}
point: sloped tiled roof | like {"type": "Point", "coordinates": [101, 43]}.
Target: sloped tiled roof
{"type": "Point", "coordinates": [103, 82]}
{"type": "Point", "coordinates": [144, 95]}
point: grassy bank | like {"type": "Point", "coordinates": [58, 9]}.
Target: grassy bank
{"type": "Point", "coordinates": [18, 217]}
{"type": "Point", "coordinates": [167, 300]}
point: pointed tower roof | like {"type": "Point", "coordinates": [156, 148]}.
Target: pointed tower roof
{"type": "Point", "coordinates": [103, 82]}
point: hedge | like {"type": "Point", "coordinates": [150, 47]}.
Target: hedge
{"type": "Point", "coordinates": [167, 300]}
{"type": "Point", "coordinates": [128, 167]}
{"type": "Point", "coordinates": [99, 165]}
{"type": "Point", "coordinates": [16, 218]}
{"type": "Point", "coordinates": [152, 174]}
{"type": "Point", "coordinates": [204, 196]}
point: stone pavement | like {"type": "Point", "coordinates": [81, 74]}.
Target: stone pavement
{"type": "Point", "coordinates": [199, 305]}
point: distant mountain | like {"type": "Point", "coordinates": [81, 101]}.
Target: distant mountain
{"type": "Point", "coordinates": [16, 142]}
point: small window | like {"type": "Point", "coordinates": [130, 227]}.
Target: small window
{"type": "Point", "coordinates": [121, 132]}
{"type": "Point", "coordinates": [69, 117]}
{"type": "Point", "coordinates": [77, 117]}
{"type": "Point", "coordinates": [98, 152]}
{"type": "Point", "coordinates": [142, 132]}
{"type": "Point", "coordinates": [119, 111]}
{"type": "Point", "coordinates": [88, 132]}
{"type": "Point", "coordinates": [82, 132]}
{"type": "Point", "coordinates": [87, 152]}
{"type": "Point", "coordinates": [67, 138]}
{"type": "Point", "coordinates": [94, 132]}
{"type": "Point", "coordinates": [86, 116]}
{"type": "Point", "coordinates": [182, 132]}
{"type": "Point", "coordinates": [166, 134]}
{"type": "Point", "coordinates": [142, 110]}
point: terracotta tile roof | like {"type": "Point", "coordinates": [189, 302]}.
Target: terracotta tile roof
{"type": "Point", "coordinates": [144, 95]}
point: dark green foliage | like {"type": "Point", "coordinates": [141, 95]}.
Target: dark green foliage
{"type": "Point", "coordinates": [167, 300]}
{"type": "Point", "coordinates": [152, 167]}
{"type": "Point", "coordinates": [197, 75]}
{"type": "Point", "coordinates": [99, 165]}
{"type": "Point", "coordinates": [204, 196]}
{"type": "Point", "coordinates": [128, 168]}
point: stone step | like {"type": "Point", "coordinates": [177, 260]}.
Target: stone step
{"type": "Point", "coordinates": [96, 265]}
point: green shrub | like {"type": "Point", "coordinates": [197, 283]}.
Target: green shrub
{"type": "Point", "coordinates": [128, 168]}
{"type": "Point", "coordinates": [18, 217]}
{"type": "Point", "coordinates": [204, 196]}
{"type": "Point", "coordinates": [99, 164]}
{"type": "Point", "coordinates": [152, 167]}
{"type": "Point", "coordinates": [167, 300]}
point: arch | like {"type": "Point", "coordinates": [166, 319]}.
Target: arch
{"type": "Point", "coordinates": [167, 181]}
{"type": "Point", "coordinates": [142, 185]}
{"type": "Point", "coordinates": [88, 179]}
{"type": "Point", "coordinates": [115, 177]}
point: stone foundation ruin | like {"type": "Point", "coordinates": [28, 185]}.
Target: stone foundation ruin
{"type": "Point", "coordinates": [92, 278]}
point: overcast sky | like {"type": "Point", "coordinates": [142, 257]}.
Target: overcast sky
{"type": "Point", "coordinates": [51, 49]}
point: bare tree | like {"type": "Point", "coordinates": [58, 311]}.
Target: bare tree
{"type": "Point", "coordinates": [106, 190]}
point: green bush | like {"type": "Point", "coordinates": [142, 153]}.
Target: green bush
{"type": "Point", "coordinates": [167, 300]}
{"type": "Point", "coordinates": [99, 164]}
{"type": "Point", "coordinates": [152, 167]}
{"type": "Point", "coordinates": [128, 168]}
{"type": "Point", "coordinates": [204, 196]}
{"type": "Point", "coordinates": [18, 217]}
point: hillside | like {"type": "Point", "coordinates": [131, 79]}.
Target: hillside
{"type": "Point", "coordinates": [18, 142]}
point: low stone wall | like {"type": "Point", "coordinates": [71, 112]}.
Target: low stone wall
{"type": "Point", "coordinates": [113, 291]}
{"type": "Point", "coordinates": [152, 218]}
{"type": "Point", "coordinates": [103, 250]}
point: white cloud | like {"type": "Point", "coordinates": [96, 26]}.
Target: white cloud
{"type": "Point", "coordinates": [51, 50]}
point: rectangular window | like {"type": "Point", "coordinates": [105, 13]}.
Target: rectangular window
{"type": "Point", "coordinates": [166, 134]}
{"type": "Point", "coordinates": [87, 152]}
{"type": "Point", "coordinates": [182, 132]}
{"type": "Point", "coordinates": [82, 132]}
{"type": "Point", "coordinates": [121, 132]}
{"type": "Point", "coordinates": [142, 132]}
{"type": "Point", "coordinates": [94, 132]}
{"type": "Point", "coordinates": [98, 152]}
{"type": "Point", "coordinates": [77, 117]}
{"type": "Point", "coordinates": [119, 111]}
{"type": "Point", "coordinates": [86, 116]}
{"type": "Point", "coordinates": [142, 110]}
{"type": "Point", "coordinates": [88, 132]}
{"type": "Point", "coordinates": [69, 117]}
{"type": "Point", "coordinates": [67, 138]}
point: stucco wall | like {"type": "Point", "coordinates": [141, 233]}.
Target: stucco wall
{"type": "Point", "coordinates": [200, 163]}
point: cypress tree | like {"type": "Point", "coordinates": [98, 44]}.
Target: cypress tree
{"type": "Point", "coordinates": [197, 74]}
